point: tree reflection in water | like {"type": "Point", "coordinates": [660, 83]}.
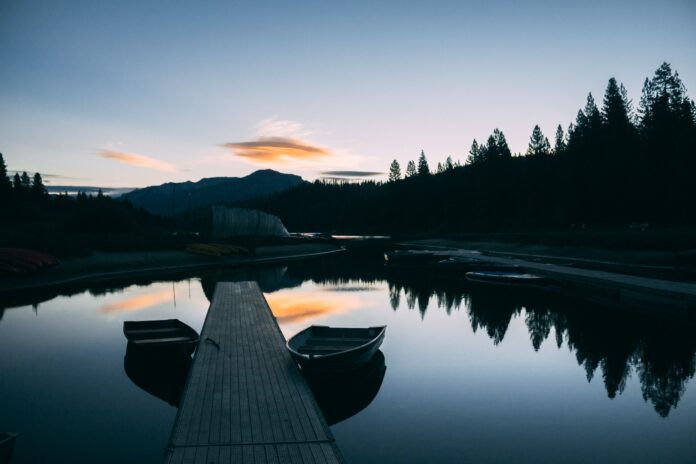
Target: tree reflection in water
{"type": "Point", "coordinates": [607, 341]}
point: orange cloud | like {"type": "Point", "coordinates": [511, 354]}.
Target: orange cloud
{"type": "Point", "coordinates": [278, 149]}
{"type": "Point", "coordinates": [137, 303]}
{"type": "Point", "coordinates": [141, 161]}
{"type": "Point", "coordinates": [301, 306]}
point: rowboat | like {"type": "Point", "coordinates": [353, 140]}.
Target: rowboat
{"type": "Point", "coordinates": [506, 278]}
{"type": "Point", "coordinates": [163, 336]}
{"type": "Point", "coordinates": [334, 349]}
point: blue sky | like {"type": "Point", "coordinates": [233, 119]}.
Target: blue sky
{"type": "Point", "coordinates": [139, 93]}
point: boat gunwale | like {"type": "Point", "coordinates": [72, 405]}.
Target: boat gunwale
{"type": "Point", "coordinates": [382, 329]}
{"type": "Point", "coordinates": [142, 340]}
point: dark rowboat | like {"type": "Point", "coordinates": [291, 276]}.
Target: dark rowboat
{"type": "Point", "coordinates": [332, 349]}
{"type": "Point", "coordinates": [506, 278]}
{"type": "Point", "coordinates": [166, 336]}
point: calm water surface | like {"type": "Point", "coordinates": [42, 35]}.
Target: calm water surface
{"type": "Point", "coordinates": [471, 374]}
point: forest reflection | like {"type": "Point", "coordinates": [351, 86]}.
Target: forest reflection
{"type": "Point", "coordinates": [607, 342]}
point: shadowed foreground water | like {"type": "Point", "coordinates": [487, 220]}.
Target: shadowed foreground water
{"type": "Point", "coordinates": [466, 373]}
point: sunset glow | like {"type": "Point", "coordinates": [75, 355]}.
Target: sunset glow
{"type": "Point", "coordinates": [307, 87]}
{"type": "Point", "coordinates": [278, 150]}
{"type": "Point", "coordinates": [299, 306]}
{"type": "Point", "coordinates": [138, 303]}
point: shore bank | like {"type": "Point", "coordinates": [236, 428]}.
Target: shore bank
{"type": "Point", "coordinates": [649, 295]}
{"type": "Point", "coordinates": [101, 267]}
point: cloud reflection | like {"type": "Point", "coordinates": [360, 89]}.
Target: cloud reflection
{"type": "Point", "coordinates": [300, 306]}
{"type": "Point", "coordinates": [137, 303]}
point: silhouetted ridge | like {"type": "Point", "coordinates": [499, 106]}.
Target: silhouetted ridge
{"type": "Point", "coordinates": [172, 198]}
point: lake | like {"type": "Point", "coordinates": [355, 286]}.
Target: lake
{"type": "Point", "coordinates": [467, 373]}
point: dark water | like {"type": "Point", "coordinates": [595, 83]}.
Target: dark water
{"type": "Point", "coordinates": [466, 374]}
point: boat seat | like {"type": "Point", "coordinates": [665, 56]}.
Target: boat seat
{"type": "Point", "coordinates": [161, 340]}
{"type": "Point", "coordinates": [339, 341]}
{"type": "Point", "coordinates": [324, 349]}
{"type": "Point", "coordinates": [161, 330]}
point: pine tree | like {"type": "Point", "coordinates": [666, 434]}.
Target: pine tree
{"type": "Point", "coordinates": [38, 190]}
{"type": "Point", "coordinates": [538, 143]}
{"type": "Point", "coordinates": [410, 169]}
{"type": "Point", "coordinates": [664, 105]}
{"type": "Point", "coordinates": [587, 127]}
{"type": "Point", "coordinates": [501, 144]}
{"type": "Point", "coordinates": [616, 109]}
{"type": "Point", "coordinates": [594, 117]}
{"type": "Point", "coordinates": [560, 142]}
{"type": "Point", "coordinates": [449, 164]}
{"type": "Point", "coordinates": [489, 150]}
{"type": "Point", "coordinates": [474, 153]}
{"type": "Point", "coordinates": [17, 183]}
{"type": "Point", "coordinates": [394, 171]}
{"type": "Point", "coordinates": [5, 184]}
{"type": "Point", "coordinates": [25, 180]}
{"type": "Point", "coordinates": [423, 168]}
{"type": "Point", "coordinates": [496, 147]}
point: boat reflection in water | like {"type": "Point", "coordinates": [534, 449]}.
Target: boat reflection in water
{"type": "Point", "coordinates": [343, 395]}
{"type": "Point", "coordinates": [161, 375]}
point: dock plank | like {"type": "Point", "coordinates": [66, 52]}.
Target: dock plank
{"type": "Point", "coordinates": [245, 400]}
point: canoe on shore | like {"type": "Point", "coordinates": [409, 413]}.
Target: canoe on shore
{"type": "Point", "coordinates": [466, 264]}
{"type": "Point", "coordinates": [163, 336]}
{"type": "Point", "coordinates": [410, 257]}
{"type": "Point", "coordinates": [506, 278]}
{"type": "Point", "coordinates": [333, 349]}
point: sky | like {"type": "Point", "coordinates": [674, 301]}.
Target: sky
{"type": "Point", "coordinates": [137, 93]}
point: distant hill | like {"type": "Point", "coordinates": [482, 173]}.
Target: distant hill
{"type": "Point", "coordinates": [173, 198]}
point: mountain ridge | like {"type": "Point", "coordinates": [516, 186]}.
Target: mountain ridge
{"type": "Point", "coordinates": [173, 198]}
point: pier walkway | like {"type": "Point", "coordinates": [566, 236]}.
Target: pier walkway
{"type": "Point", "coordinates": [245, 400]}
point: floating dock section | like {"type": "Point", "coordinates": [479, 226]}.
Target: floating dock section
{"type": "Point", "coordinates": [245, 400]}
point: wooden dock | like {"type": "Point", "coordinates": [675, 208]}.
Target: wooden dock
{"type": "Point", "coordinates": [245, 400]}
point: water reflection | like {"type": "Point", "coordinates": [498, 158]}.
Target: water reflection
{"type": "Point", "coordinates": [611, 347]}
{"type": "Point", "coordinates": [138, 302]}
{"type": "Point", "coordinates": [160, 376]}
{"type": "Point", "coordinates": [302, 305]}
{"type": "Point", "coordinates": [606, 341]}
{"type": "Point", "coordinates": [342, 396]}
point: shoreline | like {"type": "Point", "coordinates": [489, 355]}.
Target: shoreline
{"type": "Point", "coordinates": [648, 295]}
{"type": "Point", "coordinates": [105, 267]}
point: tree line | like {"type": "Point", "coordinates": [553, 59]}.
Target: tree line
{"type": "Point", "coordinates": [33, 218]}
{"type": "Point", "coordinates": [613, 166]}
